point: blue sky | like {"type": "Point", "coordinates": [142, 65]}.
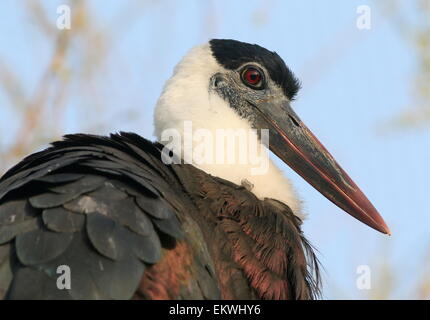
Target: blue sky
{"type": "Point", "coordinates": [353, 82]}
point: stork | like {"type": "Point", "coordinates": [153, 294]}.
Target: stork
{"type": "Point", "coordinates": [128, 224]}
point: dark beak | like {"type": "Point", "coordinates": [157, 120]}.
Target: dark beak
{"type": "Point", "coordinates": [295, 144]}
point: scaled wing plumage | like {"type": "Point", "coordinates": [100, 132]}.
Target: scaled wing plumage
{"type": "Point", "coordinates": [103, 207]}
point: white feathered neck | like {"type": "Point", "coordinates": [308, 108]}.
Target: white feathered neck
{"type": "Point", "coordinates": [186, 97]}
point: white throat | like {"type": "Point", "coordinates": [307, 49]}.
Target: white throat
{"type": "Point", "coordinates": [186, 99]}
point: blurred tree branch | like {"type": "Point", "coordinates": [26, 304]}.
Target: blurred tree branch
{"type": "Point", "coordinates": [416, 31]}
{"type": "Point", "coordinates": [52, 86]}
{"type": "Point", "coordinates": [78, 57]}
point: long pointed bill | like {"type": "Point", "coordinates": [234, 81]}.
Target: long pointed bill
{"type": "Point", "coordinates": [295, 144]}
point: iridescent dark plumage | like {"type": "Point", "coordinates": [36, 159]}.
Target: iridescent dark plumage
{"type": "Point", "coordinates": [131, 227]}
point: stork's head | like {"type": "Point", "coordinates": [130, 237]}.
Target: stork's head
{"type": "Point", "coordinates": [231, 84]}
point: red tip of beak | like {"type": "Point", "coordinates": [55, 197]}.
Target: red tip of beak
{"type": "Point", "coordinates": [356, 204]}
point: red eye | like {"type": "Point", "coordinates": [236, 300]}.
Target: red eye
{"type": "Point", "coordinates": [252, 77]}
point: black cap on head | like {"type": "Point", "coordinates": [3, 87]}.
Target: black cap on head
{"type": "Point", "coordinates": [231, 54]}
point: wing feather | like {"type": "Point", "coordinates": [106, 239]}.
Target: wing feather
{"type": "Point", "coordinates": [105, 207]}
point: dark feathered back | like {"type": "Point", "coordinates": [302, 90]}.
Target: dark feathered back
{"type": "Point", "coordinates": [129, 226]}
